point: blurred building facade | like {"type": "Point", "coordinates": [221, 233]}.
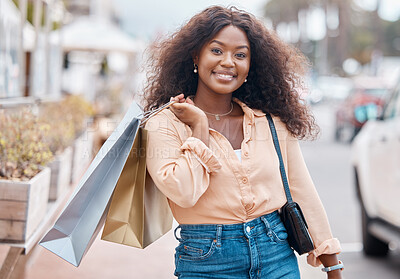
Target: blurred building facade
{"type": "Point", "coordinates": [31, 62]}
{"type": "Point", "coordinates": [52, 47]}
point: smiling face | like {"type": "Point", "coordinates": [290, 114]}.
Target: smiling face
{"type": "Point", "coordinates": [224, 62]}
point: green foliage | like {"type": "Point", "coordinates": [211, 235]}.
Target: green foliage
{"type": "Point", "coordinates": [23, 145]}
{"type": "Point", "coordinates": [360, 32]}
{"type": "Point", "coordinates": [30, 11]}
{"type": "Point", "coordinates": [392, 32]}
{"type": "Point", "coordinates": [77, 110]}
{"type": "Point", "coordinates": [361, 44]}
{"type": "Point", "coordinates": [28, 142]}
{"type": "Point", "coordinates": [285, 10]}
{"type": "Point", "coordinates": [66, 120]}
{"type": "Point", "coordinates": [61, 128]}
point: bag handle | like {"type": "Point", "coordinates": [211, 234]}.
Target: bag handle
{"type": "Point", "coordinates": [281, 165]}
{"type": "Point", "coordinates": [149, 114]}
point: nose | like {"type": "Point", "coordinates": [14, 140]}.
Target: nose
{"type": "Point", "coordinates": [227, 61]}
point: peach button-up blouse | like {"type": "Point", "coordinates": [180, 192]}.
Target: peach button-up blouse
{"type": "Point", "coordinates": [210, 185]}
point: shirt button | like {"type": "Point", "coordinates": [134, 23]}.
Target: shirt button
{"type": "Point", "coordinates": [246, 154]}
{"type": "Point", "coordinates": [244, 180]}
{"type": "Point", "coordinates": [248, 229]}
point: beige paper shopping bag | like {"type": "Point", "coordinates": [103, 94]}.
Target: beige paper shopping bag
{"type": "Point", "coordinates": [139, 213]}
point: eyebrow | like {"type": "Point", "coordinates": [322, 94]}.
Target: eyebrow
{"type": "Point", "coordinates": [221, 43]}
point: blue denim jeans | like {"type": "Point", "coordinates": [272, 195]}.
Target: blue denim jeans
{"type": "Point", "coordinates": [255, 249]}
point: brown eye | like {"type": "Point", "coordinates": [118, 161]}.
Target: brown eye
{"type": "Point", "coordinates": [216, 51]}
{"type": "Point", "coordinates": [241, 55]}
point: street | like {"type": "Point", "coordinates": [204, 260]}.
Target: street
{"type": "Point", "coordinates": [330, 166]}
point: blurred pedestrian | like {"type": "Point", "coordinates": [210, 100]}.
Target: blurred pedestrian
{"type": "Point", "coordinates": [212, 153]}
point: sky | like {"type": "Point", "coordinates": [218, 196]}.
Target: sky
{"type": "Point", "coordinates": [149, 17]}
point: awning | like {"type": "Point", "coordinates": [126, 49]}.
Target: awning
{"type": "Point", "coordinates": [95, 34]}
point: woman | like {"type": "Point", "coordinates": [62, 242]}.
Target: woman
{"type": "Point", "coordinates": [212, 153]}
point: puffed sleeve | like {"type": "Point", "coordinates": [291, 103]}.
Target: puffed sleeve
{"type": "Point", "coordinates": [304, 193]}
{"type": "Point", "coordinates": [181, 169]}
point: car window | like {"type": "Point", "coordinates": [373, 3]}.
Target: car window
{"type": "Point", "coordinates": [393, 106]}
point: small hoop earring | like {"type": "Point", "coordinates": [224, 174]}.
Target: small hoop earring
{"type": "Point", "coordinates": [195, 68]}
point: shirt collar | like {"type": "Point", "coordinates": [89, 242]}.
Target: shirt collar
{"type": "Point", "coordinates": [248, 111]}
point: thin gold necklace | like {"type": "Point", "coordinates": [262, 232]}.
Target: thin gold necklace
{"type": "Point", "coordinates": [216, 115]}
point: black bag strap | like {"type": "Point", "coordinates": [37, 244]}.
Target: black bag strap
{"type": "Point", "coordinates": [281, 165]}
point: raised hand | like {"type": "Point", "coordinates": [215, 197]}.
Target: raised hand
{"type": "Point", "coordinates": [187, 112]}
{"type": "Point", "coordinates": [195, 118]}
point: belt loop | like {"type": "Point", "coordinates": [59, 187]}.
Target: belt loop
{"type": "Point", "coordinates": [219, 234]}
{"type": "Point", "coordinates": [176, 229]}
{"type": "Point", "coordinates": [267, 225]}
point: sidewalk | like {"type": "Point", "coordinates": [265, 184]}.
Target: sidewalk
{"type": "Point", "coordinates": [108, 260]}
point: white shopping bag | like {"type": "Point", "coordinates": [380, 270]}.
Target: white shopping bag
{"type": "Point", "coordinates": [83, 216]}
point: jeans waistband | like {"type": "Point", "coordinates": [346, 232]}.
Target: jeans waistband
{"type": "Point", "coordinates": [221, 231]}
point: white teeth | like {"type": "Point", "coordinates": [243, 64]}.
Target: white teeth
{"type": "Point", "coordinates": [225, 76]}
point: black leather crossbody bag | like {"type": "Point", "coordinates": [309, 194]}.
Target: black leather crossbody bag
{"type": "Point", "coordinates": [291, 215]}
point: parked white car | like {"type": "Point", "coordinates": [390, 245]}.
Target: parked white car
{"type": "Point", "coordinates": [376, 161]}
